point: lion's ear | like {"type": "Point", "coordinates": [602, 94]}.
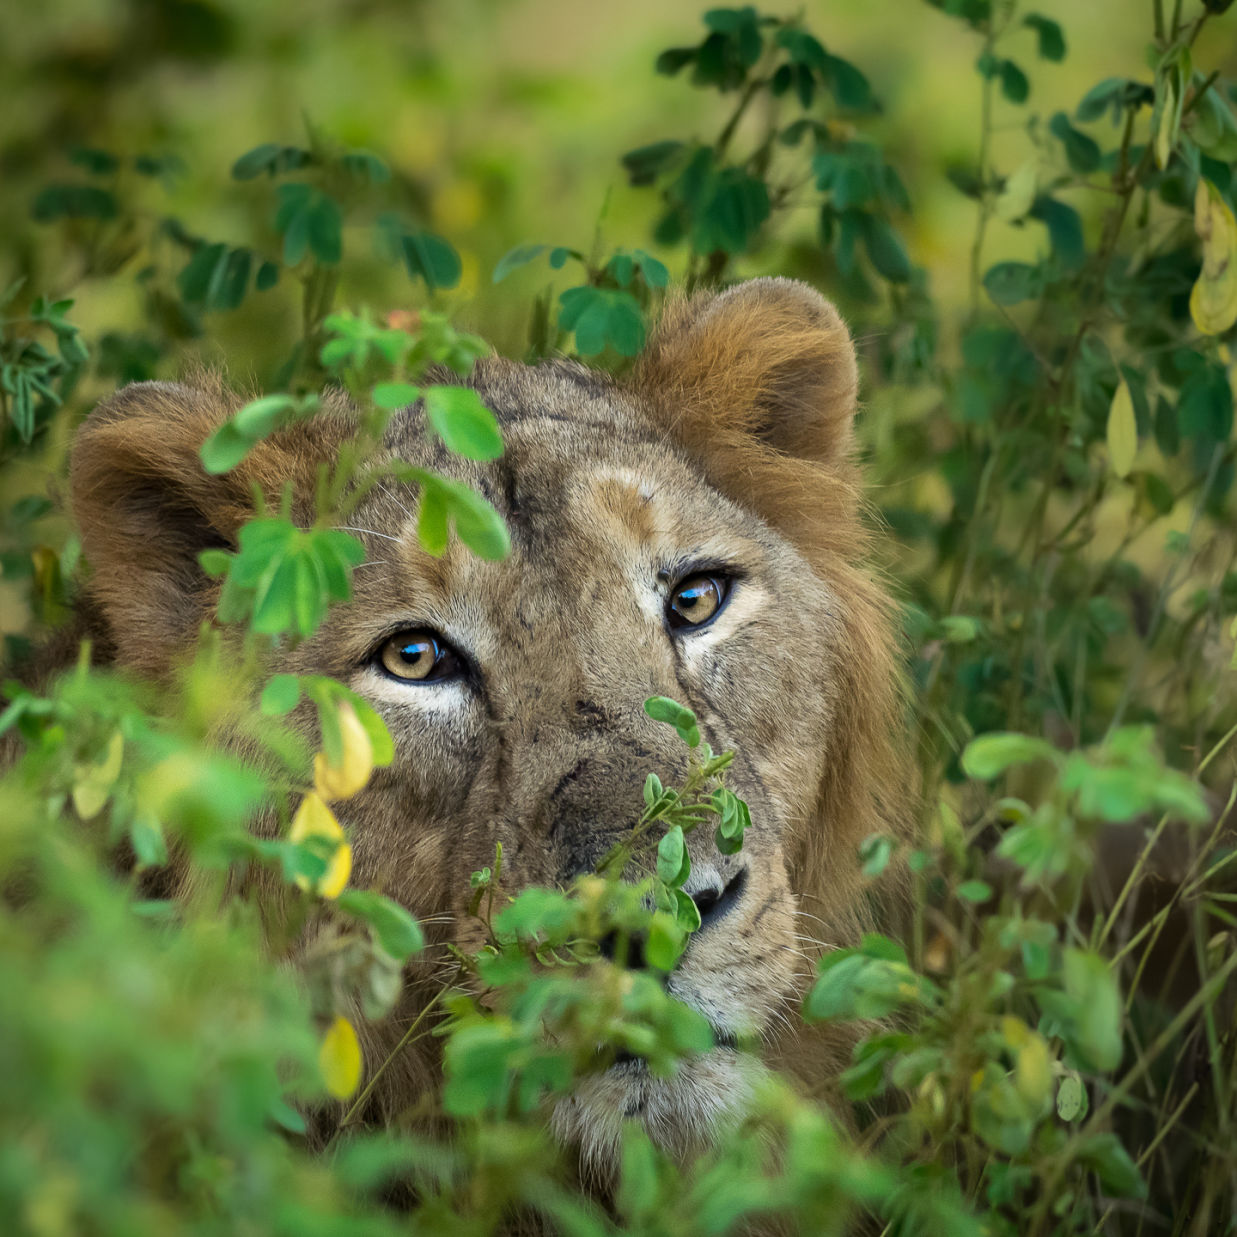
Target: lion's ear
{"type": "Point", "coordinates": [146, 507]}
{"type": "Point", "coordinates": [769, 361]}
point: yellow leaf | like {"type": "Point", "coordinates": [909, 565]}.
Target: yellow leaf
{"type": "Point", "coordinates": [1019, 193]}
{"type": "Point", "coordinates": [1033, 1071]}
{"type": "Point", "coordinates": [343, 780]}
{"type": "Point", "coordinates": [1170, 118]}
{"type": "Point", "coordinates": [335, 879]}
{"type": "Point", "coordinates": [95, 781]}
{"type": "Point", "coordinates": [339, 1059]}
{"type": "Point", "coordinates": [1122, 431]}
{"type": "Point", "coordinates": [314, 819]}
{"type": "Point", "coordinates": [1213, 302]}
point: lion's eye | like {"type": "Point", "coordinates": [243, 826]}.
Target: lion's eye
{"type": "Point", "coordinates": [696, 600]}
{"type": "Point", "coordinates": [419, 657]}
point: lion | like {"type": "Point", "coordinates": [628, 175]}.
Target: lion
{"type": "Point", "coordinates": [694, 530]}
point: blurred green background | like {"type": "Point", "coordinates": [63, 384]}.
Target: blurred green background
{"type": "Point", "coordinates": [503, 122]}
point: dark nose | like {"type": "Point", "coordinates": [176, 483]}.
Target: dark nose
{"type": "Point", "coordinates": [715, 901]}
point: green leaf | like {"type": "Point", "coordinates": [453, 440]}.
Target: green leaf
{"type": "Point", "coordinates": [1113, 94]}
{"type": "Point", "coordinates": [1111, 1163]}
{"type": "Point", "coordinates": [146, 838]}
{"type": "Point", "coordinates": [849, 86]}
{"type": "Point", "coordinates": [74, 202]}
{"type": "Point", "coordinates": [430, 258]}
{"type": "Point", "coordinates": [478, 524]}
{"type": "Point", "coordinates": [1214, 127]}
{"type": "Point", "coordinates": [295, 202]}
{"type": "Point", "coordinates": [1092, 987]}
{"type": "Point", "coordinates": [267, 276]}
{"type": "Point", "coordinates": [625, 325]}
{"type": "Point", "coordinates": [1205, 405]}
{"type": "Point", "coordinates": [463, 422]}
{"type": "Point", "coordinates": [1010, 282]}
{"type": "Point", "coordinates": [1158, 492]}
{"type": "Point", "coordinates": [974, 891]}
{"type": "Point", "coordinates": [324, 230]}
{"type": "Point", "coordinates": [1072, 1102]}
{"type": "Point", "coordinates": [275, 600]}
{"type": "Point", "coordinates": [224, 449]}
{"type": "Point", "coordinates": [214, 562]}
{"type": "Point", "coordinates": [663, 709]}
{"type": "Point", "coordinates": [874, 855]}
{"type": "Point", "coordinates": [271, 158]}
{"type": "Point", "coordinates": [664, 944]}
{"type": "Point", "coordinates": [620, 268]}
{"type": "Point", "coordinates": [1081, 151]}
{"type": "Point", "coordinates": [281, 695]}
{"type": "Point", "coordinates": [885, 249]}
{"type": "Point", "coordinates": [1014, 84]}
{"type": "Point", "coordinates": [1051, 38]}
{"type": "Point", "coordinates": [380, 741]}
{"type": "Point", "coordinates": [432, 520]}
{"type": "Point", "coordinates": [202, 274]}
{"type": "Point", "coordinates": [365, 165]}
{"type": "Point", "coordinates": [393, 395]}
{"type": "Point", "coordinates": [96, 162]}
{"type": "Point", "coordinates": [1064, 226]}
{"type": "Point", "coordinates": [309, 599]}
{"type": "Point", "coordinates": [653, 272]}
{"type": "Point", "coordinates": [513, 259]}
{"type": "Point", "coordinates": [395, 929]}
{"type": "Point", "coordinates": [990, 755]}
{"type": "Point", "coordinates": [653, 789]}
{"type": "Point", "coordinates": [601, 316]}
{"type": "Point", "coordinates": [686, 912]}
{"type": "Point", "coordinates": [857, 983]}
{"type": "Point", "coordinates": [263, 416]}
{"type": "Point", "coordinates": [673, 863]}
{"type": "Point", "coordinates": [644, 164]}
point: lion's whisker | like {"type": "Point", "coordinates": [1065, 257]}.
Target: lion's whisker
{"type": "Point", "coordinates": [395, 500]}
{"type": "Point", "coordinates": [349, 528]}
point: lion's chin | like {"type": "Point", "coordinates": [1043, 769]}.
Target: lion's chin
{"type": "Point", "coordinates": [707, 1098]}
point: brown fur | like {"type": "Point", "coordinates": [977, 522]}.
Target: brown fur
{"type": "Point", "coordinates": [733, 445]}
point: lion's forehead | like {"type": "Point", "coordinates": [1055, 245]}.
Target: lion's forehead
{"type": "Point", "coordinates": [592, 502]}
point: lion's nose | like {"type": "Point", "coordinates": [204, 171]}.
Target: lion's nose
{"type": "Point", "coordinates": [713, 900]}
{"type": "Point", "coordinates": [717, 899]}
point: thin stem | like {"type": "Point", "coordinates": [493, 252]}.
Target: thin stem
{"type": "Point", "coordinates": [403, 1043]}
{"type": "Point", "coordinates": [985, 201]}
{"type": "Point", "coordinates": [1144, 651]}
{"type": "Point", "coordinates": [1121, 1091]}
{"type": "Point", "coordinates": [1143, 855]}
{"type": "Point", "coordinates": [750, 91]}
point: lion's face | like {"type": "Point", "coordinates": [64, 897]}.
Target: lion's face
{"type": "Point", "coordinates": [650, 556]}
{"type": "Point", "coordinates": [514, 691]}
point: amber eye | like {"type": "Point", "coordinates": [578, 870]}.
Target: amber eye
{"type": "Point", "coordinates": [696, 600]}
{"type": "Point", "coordinates": [419, 657]}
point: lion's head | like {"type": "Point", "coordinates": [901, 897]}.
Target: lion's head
{"type": "Point", "coordinates": [693, 533]}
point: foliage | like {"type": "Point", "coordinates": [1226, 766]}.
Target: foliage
{"type": "Point", "coordinates": [1049, 1051]}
